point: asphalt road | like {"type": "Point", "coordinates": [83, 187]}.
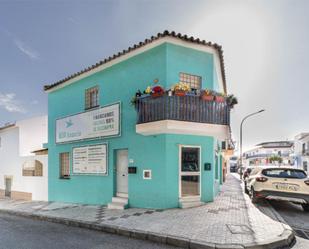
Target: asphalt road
{"type": "Point", "coordinates": [23, 233]}
{"type": "Point", "coordinates": [297, 219]}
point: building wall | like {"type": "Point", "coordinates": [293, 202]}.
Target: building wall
{"type": "Point", "coordinates": [187, 60]}
{"type": "Point", "coordinates": [32, 134]}
{"type": "Point", "coordinates": [158, 153]}
{"type": "Point", "coordinates": [15, 143]}
{"type": "Point", "coordinates": [9, 156]}
{"type": "Point", "coordinates": [302, 160]}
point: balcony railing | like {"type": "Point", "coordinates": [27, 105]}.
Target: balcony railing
{"type": "Point", "coordinates": [182, 108]}
{"type": "Point", "coordinates": [265, 155]}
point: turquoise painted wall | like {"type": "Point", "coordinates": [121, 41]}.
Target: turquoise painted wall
{"type": "Point", "coordinates": [186, 60]}
{"type": "Point", "coordinates": [158, 153]}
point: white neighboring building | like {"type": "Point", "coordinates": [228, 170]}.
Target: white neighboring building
{"type": "Point", "coordinates": [261, 154]}
{"type": "Point", "coordinates": [301, 151]}
{"type": "Point", "coordinates": [23, 161]}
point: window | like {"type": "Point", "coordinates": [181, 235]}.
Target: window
{"type": "Point", "coordinates": [193, 80]}
{"type": "Point", "coordinates": [65, 165]}
{"type": "Point", "coordinates": [284, 173]}
{"type": "Point", "coordinates": [32, 168]}
{"type": "Point", "coordinates": [92, 97]}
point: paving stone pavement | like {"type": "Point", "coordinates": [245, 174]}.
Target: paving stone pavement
{"type": "Point", "coordinates": [230, 219]}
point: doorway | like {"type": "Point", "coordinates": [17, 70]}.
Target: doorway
{"type": "Point", "coordinates": [122, 162]}
{"type": "Point", "coordinates": [189, 171]}
{"type": "Point", "coordinates": [8, 186]}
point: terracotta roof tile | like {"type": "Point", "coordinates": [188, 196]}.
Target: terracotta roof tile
{"type": "Point", "coordinates": [147, 41]}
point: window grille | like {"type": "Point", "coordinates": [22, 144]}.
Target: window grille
{"type": "Point", "coordinates": [65, 165]}
{"type": "Point", "coordinates": [193, 80]}
{"type": "Point", "coordinates": [92, 97]}
{"type": "Point", "coordinates": [32, 168]}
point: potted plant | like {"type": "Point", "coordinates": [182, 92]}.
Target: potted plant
{"type": "Point", "coordinates": [181, 89]}
{"type": "Point", "coordinates": [134, 99]}
{"type": "Point", "coordinates": [231, 100]}
{"type": "Point", "coordinates": [148, 90]}
{"type": "Point", "coordinates": [207, 95]}
{"type": "Point", "coordinates": [220, 97]}
{"type": "Point", "coordinates": [157, 91]}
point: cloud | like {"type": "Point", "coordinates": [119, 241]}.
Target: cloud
{"type": "Point", "coordinates": [32, 54]}
{"type": "Point", "coordinates": [9, 102]}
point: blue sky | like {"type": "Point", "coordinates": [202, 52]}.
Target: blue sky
{"type": "Point", "coordinates": [264, 43]}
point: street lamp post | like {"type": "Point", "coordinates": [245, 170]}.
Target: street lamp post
{"type": "Point", "coordinates": [240, 140]}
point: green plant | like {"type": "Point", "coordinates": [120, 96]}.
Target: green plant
{"type": "Point", "coordinates": [231, 100]}
{"type": "Point", "coordinates": [133, 100]}
{"type": "Point", "coordinates": [275, 158]}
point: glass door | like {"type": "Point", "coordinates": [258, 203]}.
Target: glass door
{"type": "Point", "coordinates": [189, 171]}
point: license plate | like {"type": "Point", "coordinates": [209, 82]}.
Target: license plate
{"type": "Point", "coordinates": [286, 186]}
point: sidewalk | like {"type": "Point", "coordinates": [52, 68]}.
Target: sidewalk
{"type": "Point", "coordinates": [231, 221]}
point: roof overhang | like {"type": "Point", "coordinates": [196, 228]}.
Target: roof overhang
{"type": "Point", "coordinates": [7, 127]}
{"type": "Point", "coordinates": [148, 44]}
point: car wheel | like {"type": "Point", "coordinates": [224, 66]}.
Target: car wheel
{"type": "Point", "coordinates": [305, 207]}
{"type": "Point", "coordinates": [245, 188]}
{"type": "Point", "coordinates": [253, 197]}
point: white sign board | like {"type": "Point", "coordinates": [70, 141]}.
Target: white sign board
{"type": "Point", "coordinates": [90, 159]}
{"type": "Point", "coordinates": [102, 122]}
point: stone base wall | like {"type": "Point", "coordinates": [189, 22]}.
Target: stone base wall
{"type": "Point", "coordinates": [17, 195]}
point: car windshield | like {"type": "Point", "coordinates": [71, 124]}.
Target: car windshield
{"type": "Point", "coordinates": [285, 173]}
{"type": "Point", "coordinates": [233, 158]}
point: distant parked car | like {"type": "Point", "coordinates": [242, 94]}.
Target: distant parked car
{"type": "Point", "coordinates": [233, 163]}
{"type": "Point", "coordinates": [233, 167]}
{"type": "Point", "coordinates": [279, 183]}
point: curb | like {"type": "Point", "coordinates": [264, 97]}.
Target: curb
{"type": "Point", "coordinates": [284, 240]}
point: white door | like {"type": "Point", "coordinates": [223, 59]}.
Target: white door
{"type": "Point", "coordinates": [122, 173]}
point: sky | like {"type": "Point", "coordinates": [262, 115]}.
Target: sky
{"type": "Point", "coordinates": [264, 42]}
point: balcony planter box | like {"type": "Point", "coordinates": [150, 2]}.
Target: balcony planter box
{"type": "Point", "coordinates": [208, 97]}
{"type": "Point", "coordinates": [220, 99]}
{"type": "Point", "coordinates": [180, 93]}
{"type": "Point", "coordinates": [191, 94]}
{"type": "Point", "coordinates": [156, 95]}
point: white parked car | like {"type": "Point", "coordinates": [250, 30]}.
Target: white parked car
{"type": "Point", "coordinates": [279, 183]}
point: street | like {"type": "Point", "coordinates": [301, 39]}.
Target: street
{"type": "Point", "coordinates": [23, 233]}
{"type": "Point", "coordinates": [297, 219]}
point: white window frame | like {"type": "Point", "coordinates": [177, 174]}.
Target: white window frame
{"type": "Point", "coordinates": [150, 174]}
{"type": "Point", "coordinates": [198, 173]}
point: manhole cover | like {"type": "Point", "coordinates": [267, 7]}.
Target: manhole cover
{"type": "Point", "coordinates": [240, 229]}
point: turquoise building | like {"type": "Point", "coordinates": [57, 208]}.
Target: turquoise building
{"type": "Point", "coordinates": [158, 150]}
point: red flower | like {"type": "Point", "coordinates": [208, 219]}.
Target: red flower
{"type": "Point", "coordinates": [158, 89]}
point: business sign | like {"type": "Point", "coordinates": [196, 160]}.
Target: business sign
{"type": "Point", "coordinates": [90, 159]}
{"type": "Point", "coordinates": [102, 122]}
